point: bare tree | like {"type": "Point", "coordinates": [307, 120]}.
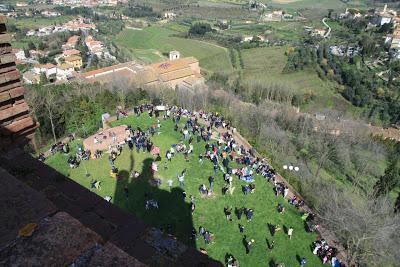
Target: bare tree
{"type": "Point", "coordinates": [121, 85]}
{"type": "Point", "coordinates": [366, 227]}
{"type": "Point", "coordinates": [50, 100]}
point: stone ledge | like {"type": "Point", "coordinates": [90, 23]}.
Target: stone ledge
{"type": "Point", "coordinates": [19, 205]}
{"type": "Point", "coordinates": [57, 241]}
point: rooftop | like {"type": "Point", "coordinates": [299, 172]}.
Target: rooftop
{"type": "Point", "coordinates": [168, 66]}
{"type": "Point", "coordinates": [65, 66]}
{"type": "Point", "coordinates": [71, 52]}
{"type": "Point", "coordinates": [72, 58]}
{"type": "Point", "coordinates": [45, 66]}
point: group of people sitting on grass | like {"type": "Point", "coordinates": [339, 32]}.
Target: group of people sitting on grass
{"type": "Point", "coordinates": [249, 188]}
{"type": "Point", "coordinates": [325, 252]}
{"type": "Point", "coordinates": [81, 154]}
{"type": "Point", "coordinates": [61, 146]}
{"type": "Point", "coordinates": [207, 235]}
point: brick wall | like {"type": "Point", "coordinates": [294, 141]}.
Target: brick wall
{"type": "Point", "coordinates": [16, 126]}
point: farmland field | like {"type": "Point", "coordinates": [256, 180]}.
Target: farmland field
{"type": "Point", "coordinates": [153, 43]}
{"type": "Point", "coordinates": [266, 65]}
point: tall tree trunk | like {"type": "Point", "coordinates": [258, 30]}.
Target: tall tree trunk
{"type": "Point", "coordinates": [52, 123]}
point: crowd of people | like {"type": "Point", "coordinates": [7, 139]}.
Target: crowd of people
{"type": "Point", "coordinates": [230, 160]}
{"type": "Point", "coordinates": [326, 253]}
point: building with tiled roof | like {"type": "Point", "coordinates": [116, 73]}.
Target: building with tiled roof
{"type": "Point", "coordinates": [72, 42]}
{"type": "Point", "coordinates": [71, 52]}
{"type": "Point", "coordinates": [48, 69]}
{"type": "Point", "coordinates": [75, 61]}
{"type": "Point", "coordinates": [172, 73]}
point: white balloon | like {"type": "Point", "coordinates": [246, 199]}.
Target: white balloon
{"type": "Point", "coordinates": [285, 167]}
{"type": "Point", "coordinates": [291, 168]}
{"type": "Point", "coordinates": [296, 169]}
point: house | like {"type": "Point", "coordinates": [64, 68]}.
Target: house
{"type": "Point", "coordinates": [386, 16]}
{"type": "Point", "coordinates": [79, 24]}
{"type": "Point", "coordinates": [175, 72]}
{"type": "Point", "coordinates": [169, 15]}
{"type": "Point", "coordinates": [31, 77]}
{"type": "Point", "coordinates": [172, 73]}
{"type": "Point", "coordinates": [45, 31]}
{"type": "Point", "coordinates": [75, 61]}
{"type": "Point", "coordinates": [247, 38]}
{"type": "Point", "coordinates": [49, 13]}
{"type": "Point", "coordinates": [36, 54]}
{"type": "Point", "coordinates": [71, 52]}
{"type": "Point", "coordinates": [22, 4]}
{"type": "Point", "coordinates": [95, 47]}
{"type": "Point", "coordinates": [19, 54]}
{"type": "Point", "coordinates": [350, 13]}
{"type": "Point", "coordinates": [48, 69]}
{"type": "Point", "coordinates": [64, 71]}
{"type": "Point", "coordinates": [319, 32]}
{"type": "Point", "coordinates": [31, 33]}
{"type": "Point", "coordinates": [173, 55]}
{"type": "Point", "coordinates": [250, 38]}
{"type": "Point", "coordinates": [71, 43]}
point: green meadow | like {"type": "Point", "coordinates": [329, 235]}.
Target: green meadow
{"type": "Point", "coordinates": [174, 208]}
{"type": "Point", "coordinates": [153, 43]}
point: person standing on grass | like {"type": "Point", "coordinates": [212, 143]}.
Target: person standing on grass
{"type": "Point", "coordinates": [194, 234]}
{"type": "Point", "coordinates": [249, 215]}
{"type": "Point", "coordinates": [249, 245]}
{"type": "Point", "coordinates": [211, 181]}
{"type": "Point", "coordinates": [285, 191]}
{"type": "Point", "coordinates": [186, 133]}
{"type": "Point", "coordinates": [241, 228]}
{"type": "Point", "coordinates": [228, 213]}
{"type": "Point", "coordinates": [181, 179]}
{"type": "Point", "coordinates": [170, 182]}
{"type": "Point", "coordinates": [202, 230]}
{"type": "Point", "coordinates": [272, 245]}
{"type": "Point", "coordinates": [201, 159]}
{"type": "Point", "coordinates": [207, 237]}
{"type": "Point", "coordinates": [192, 207]}
{"type": "Point", "coordinates": [290, 232]}
{"type": "Point", "coordinates": [303, 262]}
{"type": "Point", "coordinates": [126, 191]}
{"type": "Point", "coordinates": [169, 155]}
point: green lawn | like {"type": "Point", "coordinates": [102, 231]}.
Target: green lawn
{"type": "Point", "coordinates": [152, 44]}
{"type": "Point", "coordinates": [209, 212]}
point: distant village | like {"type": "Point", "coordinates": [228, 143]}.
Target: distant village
{"type": "Point", "coordinates": [71, 3]}
{"type": "Point", "coordinates": [70, 60]}
{"type": "Point", "coordinates": [78, 24]}
{"type": "Point", "coordinates": [376, 19]}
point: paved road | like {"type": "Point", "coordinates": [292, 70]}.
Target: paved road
{"type": "Point", "coordinates": [329, 28]}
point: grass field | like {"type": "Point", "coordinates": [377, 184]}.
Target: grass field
{"type": "Point", "coordinates": [266, 65]}
{"type": "Point", "coordinates": [151, 43]}
{"type": "Point", "coordinates": [174, 209]}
